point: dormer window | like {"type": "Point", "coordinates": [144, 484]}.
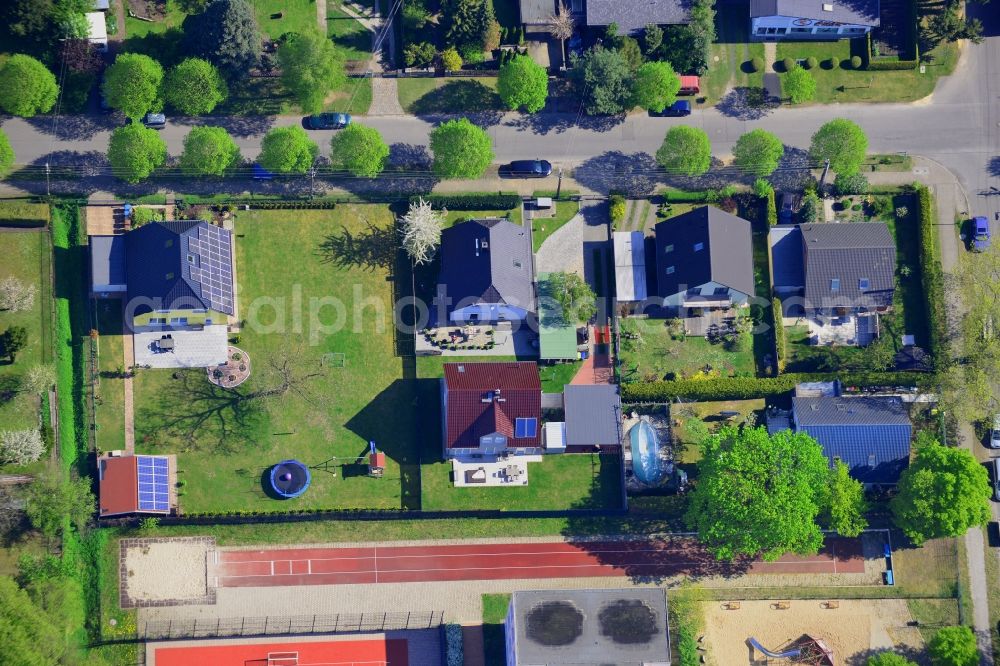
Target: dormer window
{"type": "Point", "coordinates": [698, 247]}
{"type": "Point", "coordinates": [670, 270]}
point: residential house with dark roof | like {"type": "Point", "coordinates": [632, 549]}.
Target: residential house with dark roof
{"type": "Point", "coordinates": [487, 272]}
{"type": "Point", "coordinates": [632, 16]}
{"type": "Point", "coordinates": [490, 408]}
{"type": "Point", "coordinates": [627, 627]}
{"type": "Point", "coordinates": [848, 267]}
{"type": "Point", "coordinates": [107, 266]}
{"type": "Point", "coordinates": [704, 259]}
{"type": "Point", "coordinates": [871, 435]}
{"type": "Point", "coordinates": [772, 20]}
{"type": "Point", "coordinates": [535, 14]}
{"type": "Point", "coordinates": [593, 417]}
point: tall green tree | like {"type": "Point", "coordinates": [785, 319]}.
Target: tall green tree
{"type": "Point", "coordinates": [652, 38]}
{"type": "Point", "coordinates": [13, 340]}
{"type": "Point", "coordinates": [574, 296]}
{"type": "Point", "coordinates": [225, 34]}
{"type": "Point", "coordinates": [135, 152]}
{"type": "Point", "coordinates": [888, 659]}
{"type": "Point", "coordinates": [523, 84]}
{"type": "Point", "coordinates": [799, 85]}
{"type": "Point", "coordinates": [954, 646]}
{"type": "Point", "coordinates": [26, 632]}
{"type": "Point", "coordinates": [460, 149]}
{"type": "Point", "coordinates": [132, 84]}
{"type": "Point", "coordinates": [603, 81]}
{"type": "Point", "coordinates": [208, 151]}
{"type": "Point", "coordinates": [6, 154]}
{"type": "Point", "coordinates": [466, 22]}
{"type": "Point", "coordinates": [311, 68]}
{"type": "Point", "coordinates": [686, 151]}
{"type": "Point", "coordinates": [287, 150]}
{"type": "Point", "coordinates": [845, 506]}
{"type": "Point", "coordinates": [27, 87]}
{"type": "Point", "coordinates": [53, 500]}
{"type": "Point", "coordinates": [359, 149]}
{"type": "Point", "coordinates": [942, 493]}
{"type": "Point", "coordinates": [758, 152]}
{"type": "Point", "coordinates": [841, 141]}
{"type": "Point", "coordinates": [194, 87]}
{"type": "Point", "coordinates": [655, 86]}
{"type": "Point", "coordinates": [759, 494]}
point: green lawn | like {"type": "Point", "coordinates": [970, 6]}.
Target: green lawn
{"type": "Point", "coordinates": [281, 254]}
{"type": "Point", "coordinates": [689, 435]}
{"type": "Point", "coordinates": [555, 377]}
{"type": "Point", "coordinates": [840, 83]}
{"type": "Point", "coordinates": [660, 355]}
{"type": "Point", "coordinates": [296, 16]}
{"type": "Point", "coordinates": [173, 19]}
{"type": "Point", "coordinates": [109, 397]}
{"type": "Point", "coordinates": [26, 255]}
{"type": "Point", "coordinates": [453, 217]}
{"type": "Point", "coordinates": [730, 56]}
{"type": "Point", "coordinates": [495, 608]}
{"type": "Point", "coordinates": [543, 227]}
{"type": "Point", "coordinates": [425, 95]}
{"type": "Point", "coordinates": [351, 38]}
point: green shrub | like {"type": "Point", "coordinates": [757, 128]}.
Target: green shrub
{"type": "Point", "coordinates": [454, 648]}
{"type": "Point", "coordinates": [757, 64]}
{"type": "Point", "coordinates": [830, 63]}
{"type": "Point", "coordinates": [855, 62]}
{"type": "Point", "coordinates": [932, 280]}
{"type": "Point", "coordinates": [780, 344]}
{"type": "Point", "coordinates": [472, 201]}
{"type": "Point", "coordinates": [812, 62]}
{"type": "Point", "coordinates": [845, 184]}
{"type": "Point", "coordinates": [617, 204]}
{"type": "Point", "coordinates": [788, 64]}
{"type": "Point", "coordinates": [772, 209]}
{"type": "Point", "coordinates": [141, 216]}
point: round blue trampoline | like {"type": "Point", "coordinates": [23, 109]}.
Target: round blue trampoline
{"type": "Point", "coordinates": [289, 479]}
{"type": "Point", "coordinates": [645, 453]}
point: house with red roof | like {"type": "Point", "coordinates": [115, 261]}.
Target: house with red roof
{"type": "Point", "coordinates": [491, 408]}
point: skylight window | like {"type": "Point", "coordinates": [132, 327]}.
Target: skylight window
{"type": "Point", "coordinates": [525, 428]}
{"type": "Point", "coordinates": [835, 284]}
{"type": "Point", "coordinates": [864, 283]}
{"type": "Point", "coordinates": [670, 270]}
{"type": "Point", "coordinates": [668, 249]}
{"type": "Point", "coordinates": [698, 247]}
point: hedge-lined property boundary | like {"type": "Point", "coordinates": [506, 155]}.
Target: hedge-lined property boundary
{"type": "Point", "coordinates": [932, 281]}
{"type": "Point", "coordinates": [498, 201]}
{"type": "Point", "coordinates": [900, 64]}
{"type": "Point", "coordinates": [745, 388]}
{"type": "Point", "coordinates": [780, 343]}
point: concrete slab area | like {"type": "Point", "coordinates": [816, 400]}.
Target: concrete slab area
{"type": "Point", "coordinates": [192, 349]}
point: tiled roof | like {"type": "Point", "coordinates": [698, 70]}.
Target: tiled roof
{"type": "Point", "coordinates": [839, 257]}
{"type": "Point", "coordinates": [487, 261]}
{"type": "Point", "coordinates": [869, 434]}
{"type": "Point", "coordinates": [118, 485]}
{"type": "Point", "coordinates": [632, 16]}
{"type": "Point", "coordinates": [725, 253]}
{"type": "Point", "coordinates": [536, 12]}
{"type": "Point", "coordinates": [856, 12]}
{"type": "Point", "coordinates": [786, 256]}
{"type": "Point", "coordinates": [486, 398]}
{"type": "Point", "coordinates": [593, 415]}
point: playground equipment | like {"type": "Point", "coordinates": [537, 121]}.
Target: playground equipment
{"type": "Point", "coordinates": [645, 453]}
{"type": "Point", "coordinates": [289, 479]}
{"type": "Point", "coordinates": [376, 461]}
{"type": "Point", "coordinates": [806, 650]}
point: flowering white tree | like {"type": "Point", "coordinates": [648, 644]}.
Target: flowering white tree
{"type": "Point", "coordinates": [561, 25]}
{"type": "Point", "coordinates": [16, 296]}
{"type": "Point", "coordinates": [422, 231]}
{"type": "Point", "coordinates": [20, 447]}
{"type": "Point", "coordinates": [39, 379]}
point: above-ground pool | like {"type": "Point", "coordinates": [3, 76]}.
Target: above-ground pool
{"type": "Point", "coordinates": [645, 453]}
{"type": "Point", "coordinates": [289, 478]}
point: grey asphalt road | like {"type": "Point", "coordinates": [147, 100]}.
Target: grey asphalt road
{"type": "Point", "coordinates": [958, 127]}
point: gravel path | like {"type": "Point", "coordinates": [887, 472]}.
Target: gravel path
{"type": "Point", "coordinates": [562, 252]}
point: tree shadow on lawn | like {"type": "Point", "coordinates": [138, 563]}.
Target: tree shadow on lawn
{"type": "Point", "coordinates": [373, 248]}
{"type": "Point", "coordinates": [201, 414]}
{"type": "Point", "coordinates": [479, 103]}
{"type": "Point", "coordinates": [390, 420]}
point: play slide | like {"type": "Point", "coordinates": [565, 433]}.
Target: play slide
{"type": "Point", "coordinates": [787, 654]}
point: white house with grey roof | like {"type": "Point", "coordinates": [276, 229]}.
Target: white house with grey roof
{"type": "Point", "coordinates": [793, 20]}
{"type": "Point", "coordinates": [487, 273]}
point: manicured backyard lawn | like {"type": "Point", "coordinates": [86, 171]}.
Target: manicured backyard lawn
{"type": "Point", "coordinates": [543, 227]}
{"type": "Point", "coordinates": [660, 355]}
{"type": "Point", "coordinates": [173, 19]}
{"type": "Point", "coordinates": [25, 255]}
{"type": "Point", "coordinates": [296, 16]}
{"type": "Point", "coordinates": [353, 40]}
{"type": "Point", "coordinates": [841, 83]}
{"type": "Point", "coordinates": [109, 396]}
{"type": "Point", "coordinates": [286, 262]}
{"type": "Point", "coordinates": [555, 377]}
{"type": "Point", "coordinates": [730, 56]}
{"type": "Point", "coordinates": [423, 96]}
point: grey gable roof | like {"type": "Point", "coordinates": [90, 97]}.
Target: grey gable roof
{"type": "Point", "coordinates": [726, 258]}
{"type": "Point", "coordinates": [848, 252]}
{"type": "Point", "coordinates": [536, 12]}
{"type": "Point", "coordinates": [870, 435]}
{"type": "Point", "coordinates": [593, 415]}
{"type": "Point", "coordinates": [487, 261]}
{"type": "Point", "coordinates": [183, 264]}
{"type": "Point", "coordinates": [632, 16]}
{"type": "Point", "coordinates": [857, 12]}
{"type": "Point", "coordinates": [107, 260]}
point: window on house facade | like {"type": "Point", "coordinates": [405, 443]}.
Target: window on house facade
{"type": "Point", "coordinates": [670, 270]}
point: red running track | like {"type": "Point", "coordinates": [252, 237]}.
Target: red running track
{"type": "Point", "coordinates": [411, 564]}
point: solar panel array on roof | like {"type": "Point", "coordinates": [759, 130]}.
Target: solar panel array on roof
{"type": "Point", "coordinates": [154, 483]}
{"type": "Point", "coordinates": [209, 262]}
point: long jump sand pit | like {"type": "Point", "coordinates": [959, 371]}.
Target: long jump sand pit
{"type": "Point", "coordinates": [851, 628]}
{"type": "Point", "coordinates": [165, 571]}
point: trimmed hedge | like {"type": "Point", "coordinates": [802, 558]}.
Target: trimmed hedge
{"type": "Point", "coordinates": [745, 388]}
{"type": "Point", "coordinates": [772, 209]}
{"type": "Point", "coordinates": [780, 344]}
{"type": "Point", "coordinates": [454, 646]}
{"type": "Point", "coordinates": [932, 281]}
{"type": "Point", "coordinates": [498, 201]}
{"type": "Point", "coordinates": [22, 224]}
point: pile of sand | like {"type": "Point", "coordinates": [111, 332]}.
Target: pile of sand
{"type": "Point", "coordinates": [161, 570]}
{"type": "Point", "coordinates": [855, 627]}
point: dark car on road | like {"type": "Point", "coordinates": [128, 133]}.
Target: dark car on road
{"type": "Point", "coordinates": [323, 121]}
{"type": "Point", "coordinates": [154, 120]}
{"type": "Point", "coordinates": [527, 169]}
{"type": "Point", "coordinates": [980, 234]}
{"type": "Point", "coordinates": [680, 108]}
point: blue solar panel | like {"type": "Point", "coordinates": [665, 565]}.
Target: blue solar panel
{"type": "Point", "coordinates": [154, 483]}
{"type": "Point", "coordinates": [525, 428]}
